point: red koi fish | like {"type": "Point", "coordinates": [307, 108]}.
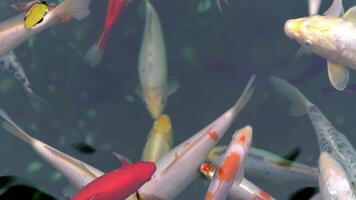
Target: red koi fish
{"type": "Point", "coordinates": [118, 184]}
{"type": "Point", "coordinates": [25, 6]}
{"type": "Point", "coordinates": [95, 53]}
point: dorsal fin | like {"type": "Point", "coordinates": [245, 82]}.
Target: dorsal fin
{"type": "Point", "coordinates": [123, 159]}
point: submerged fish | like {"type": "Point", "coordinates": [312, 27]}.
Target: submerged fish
{"type": "Point", "coordinates": [330, 139]}
{"type": "Point", "coordinates": [36, 14]}
{"type": "Point", "coordinates": [152, 66]}
{"type": "Point", "coordinates": [13, 32]}
{"type": "Point", "coordinates": [95, 53]}
{"type": "Point", "coordinates": [159, 141]}
{"type": "Point", "coordinates": [118, 184]}
{"type": "Point", "coordinates": [335, 9]}
{"type": "Point", "coordinates": [10, 63]}
{"type": "Point", "coordinates": [180, 166]}
{"type": "Point", "coordinates": [231, 167]}
{"type": "Point", "coordinates": [333, 181]}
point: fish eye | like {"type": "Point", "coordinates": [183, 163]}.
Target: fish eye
{"type": "Point", "coordinates": [308, 42]}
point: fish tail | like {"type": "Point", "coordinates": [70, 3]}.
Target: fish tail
{"type": "Point", "coordinates": [14, 129]}
{"type": "Point", "coordinates": [246, 95]}
{"type": "Point", "coordinates": [95, 53]}
{"type": "Point", "coordinates": [298, 100]}
{"type": "Point", "coordinates": [36, 101]}
{"type": "Point", "coordinates": [78, 9]}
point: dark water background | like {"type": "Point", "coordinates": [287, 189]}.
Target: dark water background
{"type": "Point", "coordinates": [211, 54]}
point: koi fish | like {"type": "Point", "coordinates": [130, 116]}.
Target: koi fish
{"type": "Point", "coordinates": [95, 53]}
{"type": "Point", "coordinates": [13, 32]}
{"type": "Point", "coordinates": [152, 66]}
{"type": "Point", "coordinates": [231, 167]}
{"type": "Point", "coordinates": [36, 14]}
{"type": "Point", "coordinates": [159, 141]}
{"type": "Point", "coordinates": [244, 190]}
{"type": "Point", "coordinates": [263, 164]}
{"type": "Point", "coordinates": [10, 63]}
{"type": "Point", "coordinates": [118, 184]}
{"type": "Point", "coordinates": [330, 139]}
{"type": "Point", "coordinates": [330, 37]}
{"type": "Point", "coordinates": [190, 154]}
{"type": "Point", "coordinates": [335, 9]}
{"type": "Point", "coordinates": [333, 181]}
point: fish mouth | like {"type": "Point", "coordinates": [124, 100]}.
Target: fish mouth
{"type": "Point", "coordinates": [289, 27]}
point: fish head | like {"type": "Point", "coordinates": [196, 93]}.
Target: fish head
{"type": "Point", "coordinates": [314, 33]}
{"type": "Point", "coordinates": [155, 101]}
{"type": "Point", "coordinates": [143, 170]}
{"type": "Point", "coordinates": [162, 126]}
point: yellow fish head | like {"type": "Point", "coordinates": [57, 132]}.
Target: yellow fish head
{"type": "Point", "coordinates": [36, 14]}
{"type": "Point", "coordinates": [162, 125]}
{"type": "Point", "coordinates": [155, 101]}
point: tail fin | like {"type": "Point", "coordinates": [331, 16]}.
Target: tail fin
{"type": "Point", "coordinates": [95, 53]}
{"type": "Point", "coordinates": [36, 101]}
{"type": "Point", "coordinates": [246, 95]}
{"type": "Point", "coordinates": [12, 127]}
{"type": "Point", "coordinates": [298, 100]}
{"type": "Point", "coordinates": [78, 9]}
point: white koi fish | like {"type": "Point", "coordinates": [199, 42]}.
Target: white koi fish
{"type": "Point", "coordinates": [244, 190]}
{"type": "Point", "coordinates": [330, 139]}
{"type": "Point", "coordinates": [13, 32]}
{"type": "Point", "coordinates": [231, 167]}
{"type": "Point", "coordinates": [10, 63]}
{"type": "Point", "coordinates": [169, 179]}
{"type": "Point", "coordinates": [333, 181]}
{"type": "Point", "coordinates": [75, 171]}
{"type": "Point", "coordinates": [263, 164]}
{"type": "Point", "coordinates": [152, 66]}
{"type": "Point", "coordinates": [159, 141]}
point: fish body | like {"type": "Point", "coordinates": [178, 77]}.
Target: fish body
{"type": "Point", "coordinates": [159, 141]}
{"type": "Point", "coordinates": [78, 173]}
{"type": "Point", "coordinates": [13, 32]}
{"type": "Point", "coordinates": [231, 168]}
{"type": "Point", "coordinates": [118, 184]}
{"type": "Point", "coordinates": [152, 66]}
{"type": "Point", "coordinates": [10, 63]}
{"type": "Point", "coordinates": [333, 181]}
{"type": "Point", "coordinates": [181, 164]}
{"type": "Point", "coordinates": [330, 140]}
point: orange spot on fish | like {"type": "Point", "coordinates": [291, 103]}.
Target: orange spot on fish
{"type": "Point", "coordinates": [228, 168]}
{"type": "Point", "coordinates": [176, 156]}
{"type": "Point", "coordinates": [209, 196]}
{"type": "Point", "coordinates": [213, 135]}
{"type": "Point", "coordinates": [264, 195]}
{"type": "Point", "coordinates": [205, 167]}
{"type": "Point", "coordinates": [242, 139]}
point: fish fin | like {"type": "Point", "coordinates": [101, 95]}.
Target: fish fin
{"type": "Point", "coordinates": [78, 9]}
{"type": "Point", "coordinates": [350, 14]}
{"type": "Point", "coordinates": [69, 191]}
{"type": "Point", "coordinates": [314, 6]}
{"type": "Point", "coordinates": [138, 91]}
{"type": "Point", "coordinates": [123, 159]}
{"type": "Point", "coordinates": [298, 100]}
{"type": "Point", "coordinates": [94, 55]}
{"type": "Point", "coordinates": [339, 75]}
{"type": "Point", "coordinates": [36, 101]}
{"type": "Point", "coordinates": [302, 51]}
{"type": "Point", "coordinates": [14, 129]}
{"type": "Point", "coordinates": [12, 21]}
{"type": "Point", "coordinates": [336, 9]}
{"type": "Point", "coordinates": [172, 86]}
{"type": "Point", "coordinates": [246, 95]}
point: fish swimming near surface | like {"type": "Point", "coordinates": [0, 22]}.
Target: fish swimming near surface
{"type": "Point", "coordinates": [114, 9]}
{"type": "Point", "coordinates": [331, 37]}
{"type": "Point", "coordinates": [152, 66]}
{"type": "Point", "coordinates": [333, 181]}
{"type": "Point", "coordinates": [13, 32]}
{"type": "Point", "coordinates": [10, 63]}
{"type": "Point", "coordinates": [330, 139]}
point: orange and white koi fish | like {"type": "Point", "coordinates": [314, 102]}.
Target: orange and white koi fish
{"type": "Point", "coordinates": [169, 179]}
{"type": "Point", "coordinates": [13, 32]}
{"type": "Point", "coordinates": [244, 190]}
{"type": "Point", "coordinates": [333, 181]}
{"type": "Point", "coordinates": [159, 141]}
{"type": "Point", "coordinates": [231, 167]}
{"type": "Point", "coordinates": [152, 66]}
{"type": "Point", "coordinates": [264, 164]}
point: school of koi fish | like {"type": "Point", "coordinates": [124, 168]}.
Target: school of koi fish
{"type": "Point", "coordinates": [166, 169]}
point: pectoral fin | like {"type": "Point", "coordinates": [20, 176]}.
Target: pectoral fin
{"type": "Point", "coordinates": [350, 14]}
{"type": "Point", "coordinates": [302, 51]}
{"type": "Point", "coordinates": [172, 87]}
{"type": "Point", "coordinates": [338, 75]}
{"type": "Point", "coordinates": [336, 9]}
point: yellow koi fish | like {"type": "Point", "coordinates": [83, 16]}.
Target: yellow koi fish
{"type": "Point", "coordinates": [36, 14]}
{"type": "Point", "coordinates": [159, 141]}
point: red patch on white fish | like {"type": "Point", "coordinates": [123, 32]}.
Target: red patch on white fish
{"type": "Point", "coordinates": [213, 135]}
